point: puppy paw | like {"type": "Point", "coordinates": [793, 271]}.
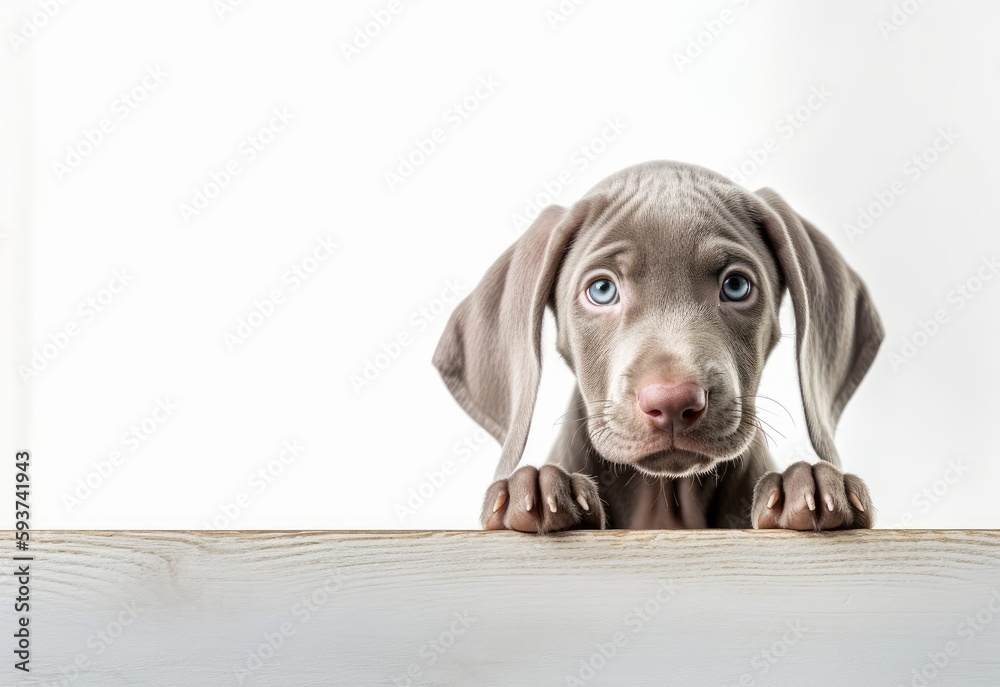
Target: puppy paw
{"type": "Point", "coordinates": [811, 497]}
{"type": "Point", "coordinates": [546, 499]}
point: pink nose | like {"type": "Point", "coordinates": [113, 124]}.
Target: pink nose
{"type": "Point", "coordinates": [676, 406]}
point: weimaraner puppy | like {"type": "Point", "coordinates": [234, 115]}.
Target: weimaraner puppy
{"type": "Point", "coordinates": [665, 280]}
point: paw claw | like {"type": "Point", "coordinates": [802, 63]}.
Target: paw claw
{"type": "Point", "coordinates": [529, 501]}
{"type": "Point", "coordinates": [789, 500]}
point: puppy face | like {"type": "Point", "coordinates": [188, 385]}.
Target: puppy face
{"type": "Point", "coordinates": [666, 280]}
{"type": "Point", "coordinates": [671, 300]}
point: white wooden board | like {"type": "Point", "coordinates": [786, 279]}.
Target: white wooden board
{"type": "Point", "coordinates": [496, 608]}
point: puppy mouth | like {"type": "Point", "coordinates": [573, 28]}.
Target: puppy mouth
{"type": "Point", "coordinates": [665, 454]}
{"type": "Point", "coordinates": [676, 462]}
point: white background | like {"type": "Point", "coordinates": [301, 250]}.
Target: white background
{"type": "Point", "coordinates": [163, 336]}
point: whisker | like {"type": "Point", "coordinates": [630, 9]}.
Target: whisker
{"type": "Point", "coordinates": [767, 438]}
{"type": "Point", "coordinates": [577, 432]}
{"type": "Point", "coordinates": [658, 498]}
{"type": "Point", "coordinates": [756, 420]}
{"type": "Point", "coordinates": [768, 398]}
{"type": "Point", "coordinates": [772, 428]}
{"type": "Point", "coordinates": [579, 419]}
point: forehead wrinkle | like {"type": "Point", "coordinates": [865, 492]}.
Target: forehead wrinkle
{"type": "Point", "coordinates": [597, 251]}
{"type": "Point", "coordinates": [668, 192]}
{"type": "Point", "coordinates": [624, 195]}
{"type": "Point", "coordinates": [720, 252]}
{"type": "Point", "coordinates": [611, 212]}
{"type": "Point", "coordinates": [715, 201]}
{"type": "Point", "coordinates": [610, 254]}
{"type": "Point", "coordinates": [679, 206]}
{"type": "Point", "coordinates": [733, 222]}
{"type": "Point", "coordinates": [716, 215]}
{"type": "Point", "coordinates": [712, 204]}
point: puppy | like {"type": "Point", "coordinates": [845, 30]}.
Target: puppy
{"type": "Point", "coordinates": [666, 280]}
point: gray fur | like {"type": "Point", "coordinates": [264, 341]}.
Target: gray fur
{"type": "Point", "coordinates": [668, 234]}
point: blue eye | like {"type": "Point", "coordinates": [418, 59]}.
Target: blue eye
{"type": "Point", "coordinates": [735, 287]}
{"type": "Point", "coordinates": [602, 292]}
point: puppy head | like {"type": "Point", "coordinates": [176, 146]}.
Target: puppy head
{"type": "Point", "coordinates": [667, 307]}
{"type": "Point", "coordinates": [666, 280]}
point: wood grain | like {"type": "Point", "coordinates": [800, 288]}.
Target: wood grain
{"type": "Point", "coordinates": [705, 607]}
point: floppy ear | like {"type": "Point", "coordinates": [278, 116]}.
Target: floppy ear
{"type": "Point", "coordinates": [838, 330]}
{"type": "Point", "coordinates": [490, 352]}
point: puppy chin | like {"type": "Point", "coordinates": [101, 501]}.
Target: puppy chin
{"type": "Point", "coordinates": [660, 455]}
{"type": "Point", "coordinates": [674, 463]}
{"type": "Point", "coordinates": [684, 457]}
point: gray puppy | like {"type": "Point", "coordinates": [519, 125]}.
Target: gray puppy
{"type": "Point", "coordinates": [666, 280]}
